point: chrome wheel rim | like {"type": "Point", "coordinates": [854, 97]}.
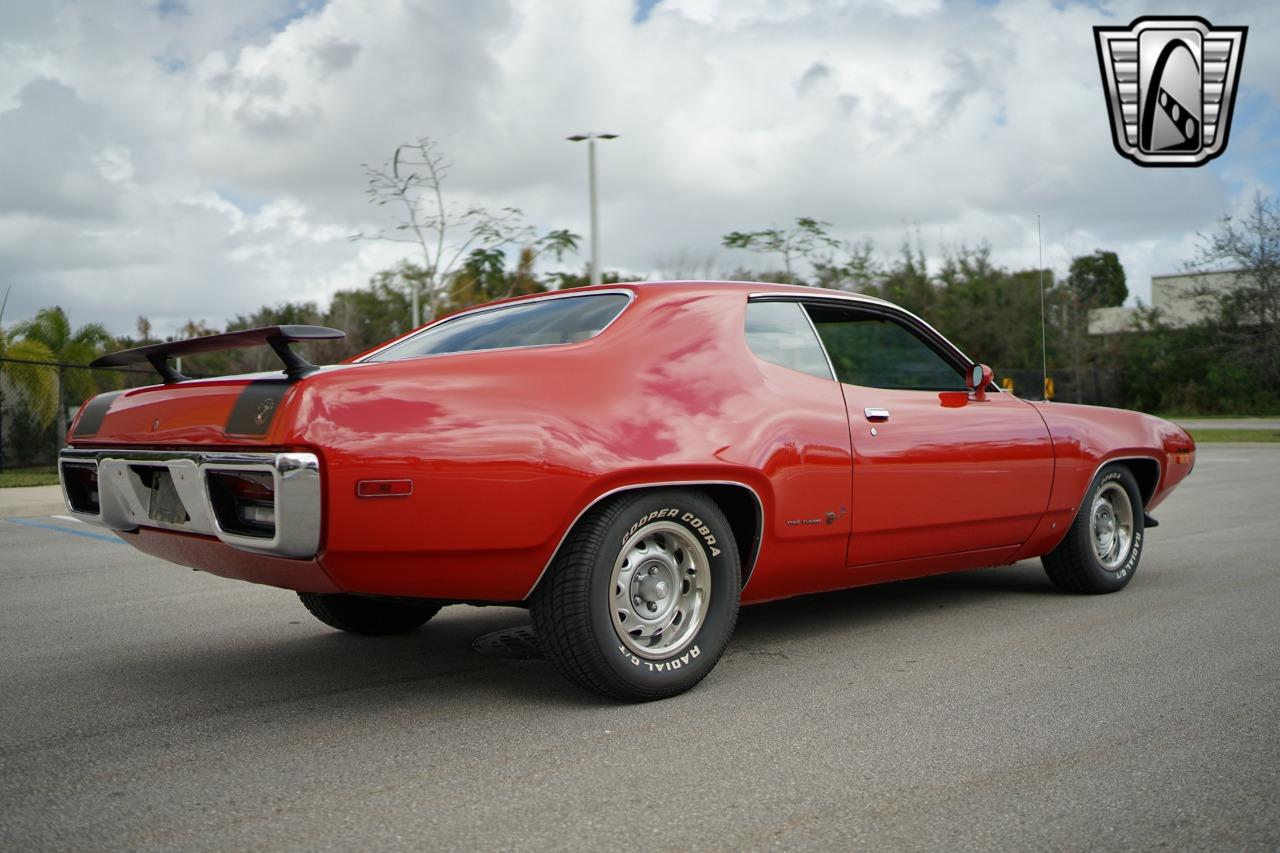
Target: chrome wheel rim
{"type": "Point", "coordinates": [660, 589]}
{"type": "Point", "coordinates": [1111, 525]}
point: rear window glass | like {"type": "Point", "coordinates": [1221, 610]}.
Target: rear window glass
{"type": "Point", "coordinates": [526, 324]}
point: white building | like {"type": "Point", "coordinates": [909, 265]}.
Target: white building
{"type": "Point", "coordinates": [1173, 295]}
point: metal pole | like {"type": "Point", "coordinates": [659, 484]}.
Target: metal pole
{"type": "Point", "coordinates": [595, 216]}
{"type": "Point", "coordinates": [1044, 347]}
{"type": "Point", "coordinates": [590, 139]}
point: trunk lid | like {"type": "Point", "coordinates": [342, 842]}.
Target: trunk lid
{"type": "Point", "coordinates": [228, 410]}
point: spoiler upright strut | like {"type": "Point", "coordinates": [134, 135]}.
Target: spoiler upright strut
{"type": "Point", "coordinates": [277, 337]}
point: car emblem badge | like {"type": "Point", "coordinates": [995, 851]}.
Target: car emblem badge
{"type": "Point", "coordinates": [155, 425]}
{"type": "Point", "coordinates": [264, 411]}
{"type": "Point", "coordinates": [1170, 85]}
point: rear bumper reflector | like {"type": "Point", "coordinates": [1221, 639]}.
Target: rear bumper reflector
{"type": "Point", "coordinates": [384, 488]}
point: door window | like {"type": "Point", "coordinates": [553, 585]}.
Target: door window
{"type": "Point", "coordinates": [875, 351]}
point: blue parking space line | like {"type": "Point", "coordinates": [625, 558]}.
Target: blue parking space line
{"type": "Point", "coordinates": [88, 534]}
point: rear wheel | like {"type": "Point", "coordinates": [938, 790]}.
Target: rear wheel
{"type": "Point", "coordinates": [642, 598]}
{"type": "Point", "coordinates": [1101, 550]}
{"type": "Point", "coordinates": [360, 614]}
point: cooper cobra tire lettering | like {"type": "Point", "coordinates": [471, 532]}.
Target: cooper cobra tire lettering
{"type": "Point", "coordinates": [576, 607]}
{"type": "Point", "coordinates": [702, 530]}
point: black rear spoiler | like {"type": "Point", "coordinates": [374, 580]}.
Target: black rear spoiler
{"type": "Point", "coordinates": [277, 337]}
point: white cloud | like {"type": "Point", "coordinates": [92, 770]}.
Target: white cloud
{"type": "Point", "coordinates": [201, 159]}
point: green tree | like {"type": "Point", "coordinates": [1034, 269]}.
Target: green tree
{"type": "Point", "coordinates": [906, 281]}
{"type": "Point", "coordinates": [1098, 280]}
{"type": "Point", "coordinates": [51, 329]}
{"type": "Point", "coordinates": [566, 280]}
{"type": "Point", "coordinates": [369, 315]}
{"type": "Point", "coordinates": [853, 267]}
{"type": "Point", "coordinates": [1093, 281]}
{"type": "Point", "coordinates": [484, 277]}
{"type": "Point", "coordinates": [990, 312]}
{"type": "Point", "coordinates": [36, 384]}
{"type": "Point", "coordinates": [807, 239]}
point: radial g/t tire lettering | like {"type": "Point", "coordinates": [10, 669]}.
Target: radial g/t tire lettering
{"type": "Point", "coordinates": [1101, 550]}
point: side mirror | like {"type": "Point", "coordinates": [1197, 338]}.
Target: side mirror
{"type": "Point", "coordinates": [979, 378]}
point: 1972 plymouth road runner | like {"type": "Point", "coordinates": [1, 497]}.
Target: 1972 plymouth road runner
{"type": "Point", "coordinates": [631, 462]}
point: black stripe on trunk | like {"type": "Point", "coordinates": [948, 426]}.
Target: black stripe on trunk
{"type": "Point", "coordinates": [91, 419]}
{"type": "Point", "coordinates": [256, 408]}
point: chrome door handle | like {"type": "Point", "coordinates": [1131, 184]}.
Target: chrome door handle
{"type": "Point", "coordinates": [876, 414]}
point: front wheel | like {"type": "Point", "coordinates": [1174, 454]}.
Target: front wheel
{"type": "Point", "coordinates": [1101, 550]}
{"type": "Point", "coordinates": [642, 598]}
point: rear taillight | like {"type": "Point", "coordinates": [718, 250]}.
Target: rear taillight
{"type": "Point", "coordinates": [244, 502]}
{"type": "Point", "coordinates": [81, 481]}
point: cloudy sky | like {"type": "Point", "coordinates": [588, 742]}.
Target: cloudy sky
{"type": "Point", "coordinates": [196, 159]}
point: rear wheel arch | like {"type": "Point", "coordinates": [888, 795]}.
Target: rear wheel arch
{"type": "Point", "coordinates": [741, 505]}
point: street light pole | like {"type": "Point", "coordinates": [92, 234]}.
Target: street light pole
{"type": "Point", "coordinates": [591, 180]}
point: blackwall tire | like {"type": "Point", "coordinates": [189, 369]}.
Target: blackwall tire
{"type": "Point", "coordinates": [642, 598]}
{"type": "Point", "coordinates": [359, 614]}
{"type": "Point", "coordinates": [1100, 552]}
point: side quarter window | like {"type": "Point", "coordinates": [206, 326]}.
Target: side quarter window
{"type": "Point", "coordinates": [875, 351]}
{"type": "Point", "coordinates": [780, 333]}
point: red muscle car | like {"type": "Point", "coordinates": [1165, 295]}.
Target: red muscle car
{"type": "Point", "coordinates": [631, 462]}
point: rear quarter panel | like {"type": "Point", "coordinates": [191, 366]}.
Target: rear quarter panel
{"type": "Point", "coordinates": [505, 448]}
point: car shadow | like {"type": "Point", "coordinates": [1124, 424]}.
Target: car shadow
{"type": "Point", "coordinates": [794, 619]}
{"type": "Point", "coordinates": [299, 661]}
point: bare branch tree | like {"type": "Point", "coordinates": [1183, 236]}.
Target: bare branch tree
{"type": "Point", "coordinates": [1246, 314]}
{"type": "Point", "coordinates": [444, 234]}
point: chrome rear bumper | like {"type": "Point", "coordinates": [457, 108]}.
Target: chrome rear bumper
{"type": "Point", "coordinates": [123, 501]}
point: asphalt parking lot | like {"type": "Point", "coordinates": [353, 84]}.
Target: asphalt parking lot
{"type": "Point", "coordinates": [147, 706]}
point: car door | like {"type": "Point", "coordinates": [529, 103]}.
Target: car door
{"type": "Point", "coordinates": [935, 470]}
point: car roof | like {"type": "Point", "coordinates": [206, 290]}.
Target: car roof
{"type": "Point", "coordinates": [750, 288]}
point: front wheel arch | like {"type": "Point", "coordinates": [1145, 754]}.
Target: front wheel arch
{"type": "Point", "coordinates": [1147, 472]}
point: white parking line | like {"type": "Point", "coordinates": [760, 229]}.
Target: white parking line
{"type": "Point", "coordinates": [67, 518]}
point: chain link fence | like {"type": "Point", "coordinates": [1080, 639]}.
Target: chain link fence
{"type": "Point", "coordinates": [1094, 386]}
{"type": "Point", "coordinates": [38, 400]}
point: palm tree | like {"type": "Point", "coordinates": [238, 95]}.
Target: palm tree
{"type": "Point", "coordinates": [48, 336]}
{"type": "Point", "coordinates": [35, 383]}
